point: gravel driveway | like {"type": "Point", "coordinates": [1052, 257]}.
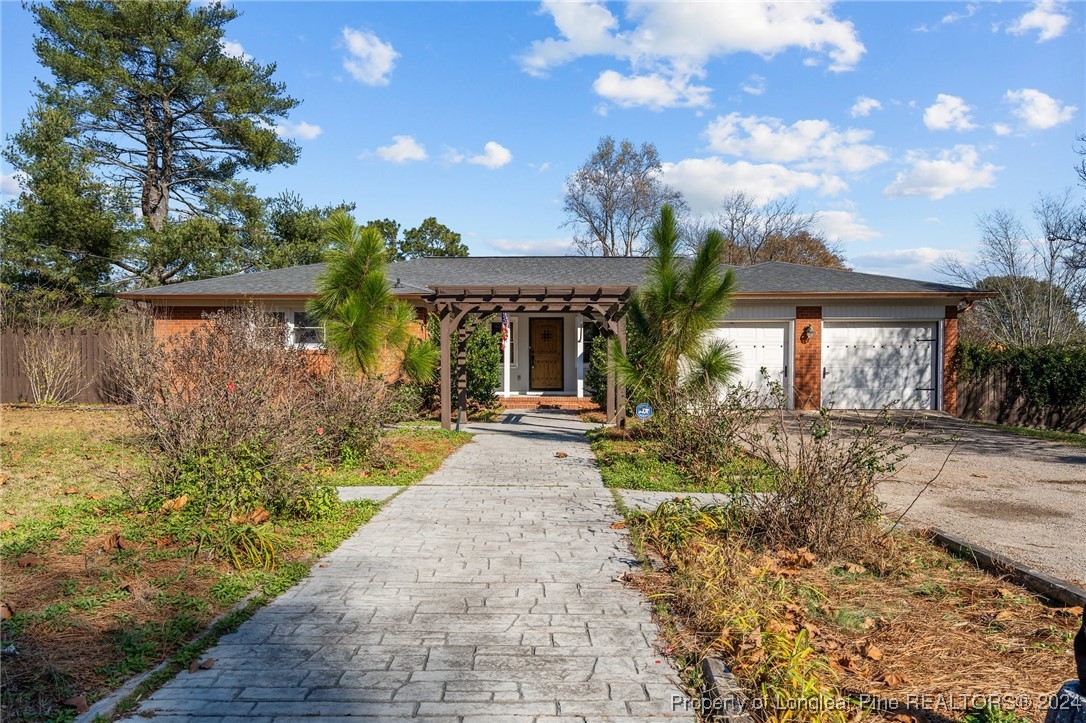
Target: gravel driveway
{"type": "Point", "coordinates": [1020, 496]}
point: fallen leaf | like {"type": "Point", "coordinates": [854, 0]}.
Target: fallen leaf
{"type": "Point", "coordinates": [71, 490]}
{"type": "Point", "coordinates": [903, 718]}
{"type": "Point", "coordinates": [9, 512]}
{"type": "Point", "coordinates": [6, 525]}
{"type": "Point", "coordinates": [1004, 615]}
{"type": "Point", "coordinates": [618, 525]}
{"type": "Point", "coordinates": [560, 455]}
{"type": "Point", "coordinates": [194, 666]}
{"type": "Point", "coordinates": [95, 496]}
{"type": "Point", "coordinates": [79, 702]}
{"type": "Point", "coordinates": [854, 569]}
{"type": "Point", "coordinates": [16, 456]}
{"type": "Point", "coordinates": [978, 476]}
{"type": "Point", "coordinates": [29, 560]}
{"type": "Point", "coordinates": [207, 664]}
{"type": "Point", "coordinates": [1073, 612]}
{"type": "Point", "coordinates": [871, 650]}
{"type": "Point", "coordinates": [868, 623]}
{"type": "Point", "coordinates": [4, 478]}
{"type": "Point", "coordinates": [323, 564]}
{"type": "Point", "coordinates": [895, 679]}
{"type": "Point", "coordinates": [259, 515]}
{"type": "Point", "coordinates": [6, 611]}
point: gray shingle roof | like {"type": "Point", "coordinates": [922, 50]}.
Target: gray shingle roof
{"type": "Point", "coordinates": [419, 276]}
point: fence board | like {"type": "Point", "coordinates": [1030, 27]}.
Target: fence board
{"type": "Point", "coordinates": [96, 385]}
{"type": "Point", "coordinates": [991, 399]}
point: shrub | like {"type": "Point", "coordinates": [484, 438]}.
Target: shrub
{"type": "Point", "coordinates": [235, 422]}
{"type": "Point", "coordinates": [827, 471]}
{"type": "Point", "coordinates": [484, 362]}
{"type": "Point", "coordinates": [1050, 377]}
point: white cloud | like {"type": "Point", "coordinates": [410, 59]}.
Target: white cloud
{"type": "Point", "coordinates": [302, 130]}
{"type": "Point", "coordinates": [948, 112]}
{"type": "Point", "coordinates": [233, 49]}
{"type": "Point", "coordinates": [542, 167]}
{"type": "Point", "coordinates": [1001, 129]}
{"type": "Point", "coordinates": [369, 59]}
{"type": "Point", "coordinates": [954, 171]}
{"type": "Point", "coordinates": [863, 107]}
{"type": "Point", "coordinates": [547, 247]}
{"type": "Point", "coordinates": [1037, 110]}
{"type": "Point", "coordinates": [668, 44]}
{"type": "Point", "coordinates": [1050, 19]}
{"type": "Point", "coordinates": [653, 91]}
{"type": "Point", "coordinates": [402, 149]}
{"type": "Point", "coordinates": [916, 263]}
{"type": "Point", "coordinates": [10, 184]}
{"type": "Point", "coordinates": [845, 226]}
{"type": "Point", "coordinates": [953, 17]}
{"type": "Point", "coordinates": [494, 155]}
{"type": "Point", "coordinates": [755, 85]}
{"type": "Point", "coordinates": [706, 181]}
{"type": "Point", "coordinates": [813, 144]}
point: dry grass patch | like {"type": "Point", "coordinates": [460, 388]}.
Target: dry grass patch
{"type": "Point", "coordinates": [901, 625]}
{"type": "Point", "coordinates": [97, 587]}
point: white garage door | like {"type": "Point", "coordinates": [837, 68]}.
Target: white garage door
{"type": "Point", "coordinates": [867, 366]}
{"type": "Point", "coordinates": [759, 346]}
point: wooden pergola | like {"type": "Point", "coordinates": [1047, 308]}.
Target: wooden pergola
{"type": "Point", "coordinates": [460, 307]}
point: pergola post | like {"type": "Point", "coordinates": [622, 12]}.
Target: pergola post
{"type": "Point", "coordinates": [620, 388]}
{"type": "Point", "coordinates": [611, 401]}
{"type": "Point", "coordinates": [462, 376]}
{"type": "Point", "coordinates": [446, 370]}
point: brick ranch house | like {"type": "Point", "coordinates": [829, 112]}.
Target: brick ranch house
{"type": "Point", "coordinates": [857, 340]}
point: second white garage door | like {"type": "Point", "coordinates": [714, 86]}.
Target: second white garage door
{"type": "Point", "coordinates": [759, 345]}
{"type": "Point", "coordinates": [867, 366]}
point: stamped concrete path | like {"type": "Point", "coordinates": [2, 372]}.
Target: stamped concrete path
{"type": "Point", "coordinates": [487, 592]}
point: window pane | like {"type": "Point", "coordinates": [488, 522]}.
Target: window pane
{"type": "Point", "coordinates": [305, 332]}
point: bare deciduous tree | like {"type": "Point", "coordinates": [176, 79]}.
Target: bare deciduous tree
{"type": "Point", "coordinates": [1042, 293]}
{"type": "Point", "coordinates": [51, 357]}
{"type": "Point", "coordinates": [613, 198]}
{"type": "Point", "coordinates": [773, 231]}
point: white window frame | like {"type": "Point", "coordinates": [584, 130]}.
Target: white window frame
{"type": "Point", "coordinates": [292, 328]}
{"type": "Point", "coordinates": [512, 342]}
{"type": "Point", "coordinates": [289, 328]}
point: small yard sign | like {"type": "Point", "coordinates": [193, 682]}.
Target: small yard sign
{"type": "Point", "coordinates": [643, 411]}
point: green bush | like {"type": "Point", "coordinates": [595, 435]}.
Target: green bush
{"type": "Point", "coordinates": [484, 358]}
{"type": "Point", "coordinates": [1049, 377]}
{"type": "Point", "coordinates": [484, 361]}
{"type": "Point", "coordinates": [595, 371]}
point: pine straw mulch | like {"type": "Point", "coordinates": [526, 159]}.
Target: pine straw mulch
{"type": "Point", "coordinates": [85, 622]}
{"type": "Point", "coordinates": [906, 626]}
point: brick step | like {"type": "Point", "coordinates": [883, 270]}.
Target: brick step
{"type": "Point", "coordinates": [577, 403]}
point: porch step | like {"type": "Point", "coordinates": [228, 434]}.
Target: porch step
{"type": "Point", "coordinates": [578, 403]}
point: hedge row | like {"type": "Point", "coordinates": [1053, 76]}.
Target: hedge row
{"type": "Point", "coordinates": [1052, 377]}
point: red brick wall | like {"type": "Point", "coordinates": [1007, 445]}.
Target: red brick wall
{"type": "Point", "coordinates": [170, 320]}
{"type": "Point", "coordinates": [950, 369]}
{"type": "Point", "coordinates": [807, 375]}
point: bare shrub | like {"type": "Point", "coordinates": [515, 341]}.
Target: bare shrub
{"type": "Point", "coordinates": [53, 364]}
{"type": "Point", "coordinates": [234, 420]}
{"type": "Point", "coordinates": [801, 479]}
{"type": "Point", "coordinates": [827, 467]}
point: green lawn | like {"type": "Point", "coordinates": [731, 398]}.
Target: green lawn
{"type": "Point", "coordinates": [627, 461]}
{"type": "Point", "coordinates": [404, 456]}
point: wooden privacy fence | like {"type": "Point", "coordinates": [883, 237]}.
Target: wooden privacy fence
{"type": "Point", "coordinates": [95, 383]}
{"type": "Point", "coordinates": [993, 399]}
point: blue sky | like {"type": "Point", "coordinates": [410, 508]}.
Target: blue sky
{"type": "Point", "coordinates": [898, 122]}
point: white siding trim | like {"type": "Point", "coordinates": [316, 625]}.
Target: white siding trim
{"type": "Point", "coordinates": [761, 312]}
{"type": "Point", "coordinates": [879, 312]}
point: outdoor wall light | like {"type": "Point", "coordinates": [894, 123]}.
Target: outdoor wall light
{"type": "Point", "coordinates": [808, 332]}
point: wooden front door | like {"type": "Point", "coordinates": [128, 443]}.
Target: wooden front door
{"type": "Point", "coordinates": [545, 351]}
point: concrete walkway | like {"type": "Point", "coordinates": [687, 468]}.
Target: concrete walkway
{"type": "Point", "coordinates": [487, 592]}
